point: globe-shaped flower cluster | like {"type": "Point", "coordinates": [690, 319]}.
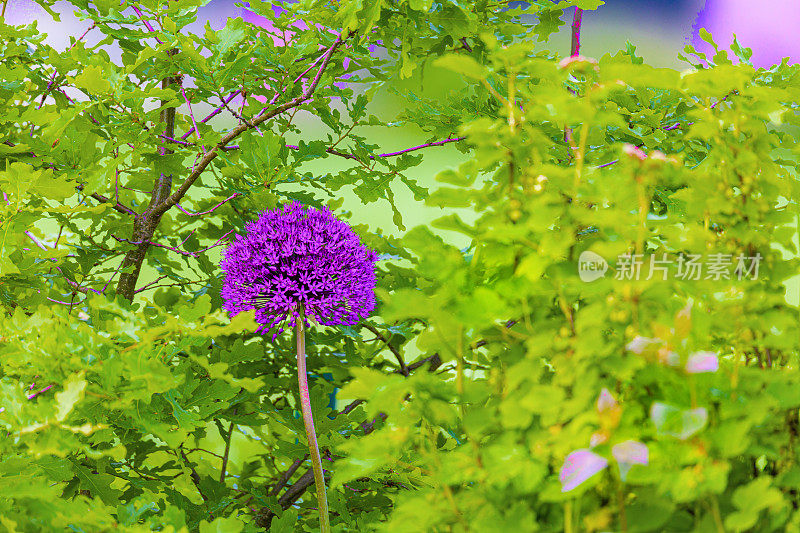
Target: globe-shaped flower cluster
{"type": "Point", "coordinates": [296, 257]}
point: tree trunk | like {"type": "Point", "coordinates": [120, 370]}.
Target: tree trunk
{"type": "Point", "coordinates": [145, 224]}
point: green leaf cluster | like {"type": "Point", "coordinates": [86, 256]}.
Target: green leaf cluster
{"type": "Point", "coordinates": [455, 406]}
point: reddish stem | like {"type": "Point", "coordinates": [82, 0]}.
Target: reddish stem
{"type": "Point", "coordinates": [576, 32]}
{"type": "Point", "coordinates": [308, 421]}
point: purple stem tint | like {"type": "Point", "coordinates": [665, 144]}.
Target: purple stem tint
{"type": "Point", "coordinates": [112, 276]}
{"type": "Point", "coordinates": [194, 124]}
{"type": "Point", "coordinates": [298, 78]}
{"type": "Point", "coordinates": [55, 71]}
{"type": "Point", "coordinates": [176, 141]}
{"type": "Point", "coordinates": [147, 24]}
{"type": "Point", "coordinates": [73, 284]}
{"type": "Point", "coordinates": [151, 286]}
{"type": "Point", "coordinates": [37, 393]}
{"type": "Point", "coordinates": [336, 152]}
{"type": "Point", "coordinates": [68, 304]}
{"type": "Point", "coordinates": [231, 197]}
{"type": "Point", "coordinates": [576, 32]}
{"type": "Point", "coordinates": [214, 113]}
{"type": "Point", "coordinates": [176, 250]}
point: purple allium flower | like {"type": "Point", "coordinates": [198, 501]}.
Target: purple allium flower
{"type": "Point", "coordinates": [296, 256]}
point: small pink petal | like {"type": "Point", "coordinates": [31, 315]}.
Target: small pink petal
{"type": "Point", "coordinates": [605, 402]}
{"type": "Point", "coordinates": [702, 362]}
{"type": "Point", "coordinates": [639, 344]}
{"type": "Point", "coordinates": [579, 466]}
{"type": "Point", "coordinates": [668, 357]}
{"type": "Point", "coordinates": [630, 451]}
{"type": "Point", "coordinates": [634, 151]}
{"type": "Point", "coordinates": [570, 60]}
{"type": "Point", "coordinates": [597, 438]}
{"type": "Point", "coordinates": [627, 454]}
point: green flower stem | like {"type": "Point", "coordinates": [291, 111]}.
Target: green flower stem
{"type": "Point", "coordinates": [568, 517]}
{"type": "Point", "coordinates": [308, 421]}
{"type": "Point", "coordinates": [623, 520]}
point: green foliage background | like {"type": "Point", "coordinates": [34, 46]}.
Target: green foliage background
{"type": "Point", "coordinates": [143, 407]}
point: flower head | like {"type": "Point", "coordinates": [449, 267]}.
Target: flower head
{"type": "Point", "coordinates": [296, 257]}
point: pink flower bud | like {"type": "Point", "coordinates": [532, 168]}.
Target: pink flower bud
{"type": "Point", "coordinates": [605, 402]}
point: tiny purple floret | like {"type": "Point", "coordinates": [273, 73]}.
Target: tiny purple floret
{"type": "Point", "coordinates": [299, 256]}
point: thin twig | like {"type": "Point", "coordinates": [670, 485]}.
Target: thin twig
{"type": "Point", "coordinates": [37, 393]}
{"type": "Point", "coordinates": [193, 474]}
{"type": "Point", "coordinates": [68, 304]}
{"type": "Point", "coordinates": [239, 116]}
{"type": "Point", "coordinates": [213, 113]}
{"type": "Point", "coordinates": [181, 284]}
{"type": "Point", "coordinates": [227, 452]}
{"type": "Point", "coordinates": [176, 250]}
{"type": "Point", "coordinates": [231, 197]}
{"type": "Point", "coordinates": [104, 200]}
{"type": "Point", "coordinates": [147, 24]}
{"type": "Point", "coordinates": [676, 126]}
{"type": "Point", "coordinates": [55, 71]}
{"type": "Point", "coordinates": [75, 285]}
{"type": "Point", "coordinates": [152, 283]}
{"type": "Point", "coordinates": [403, 368]}
{"type": "Point", "coordinates": [286, 476]}
{"type": "Point", "coordinates": [575, 49]}
{"type": "Point", "coordinates": [194, 124]}
{"type": "Point", "coordinates": [354, 157]}
{"type": "Point", "coordinates": [176, 196]}
{"type": "Point", "coordinates": [112, 277]}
